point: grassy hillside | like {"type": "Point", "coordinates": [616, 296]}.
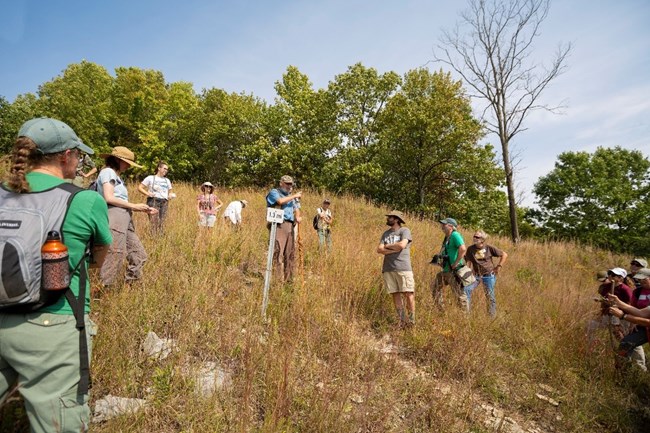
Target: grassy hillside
{"type": "Point", "coordinates": [330, 357]}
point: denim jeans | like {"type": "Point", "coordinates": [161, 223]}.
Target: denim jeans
{"type": "Point", "coordinates": [489, 281]}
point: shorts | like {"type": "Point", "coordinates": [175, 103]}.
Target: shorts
{"type": "Point", "coordinates": [207, 220]}
{"type": "Point", "coordinates": [399, 282]}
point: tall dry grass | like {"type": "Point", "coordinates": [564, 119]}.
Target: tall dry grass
{"type": "Point", "coordinates": [314, 365]}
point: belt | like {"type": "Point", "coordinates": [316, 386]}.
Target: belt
{"type": "Point", "coordinates": [157, 199]}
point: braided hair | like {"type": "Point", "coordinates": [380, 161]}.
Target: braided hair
{"type": "Point", "coordinates": [25, 157]}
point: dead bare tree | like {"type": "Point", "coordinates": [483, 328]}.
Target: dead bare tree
{"type": "Point", "coordinates": [491, 47]}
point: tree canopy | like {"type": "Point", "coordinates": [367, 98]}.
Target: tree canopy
{"type": "Point", "coordinates": [601, 198]}
{"type": "Point", "coordinates": [409, 141]}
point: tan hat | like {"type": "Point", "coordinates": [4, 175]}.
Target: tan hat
{"type": "Point", "coordinates": [286, 179]}
{"type": "Point", "coordinates": [244, 202]}
{"type": "Point", "coordinates": [124, 154]}
{"type": "Point", "coordinates": [397, 214]}
{"type": "Point", "coordinates": [204, 184]}
{"type": "Point", "coordinates": [601, 276]}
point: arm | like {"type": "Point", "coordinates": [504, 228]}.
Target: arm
{"type": "Point", "coordinates": [628, 309]}
{"type": "Point", "coordinates": [461, 253]}
{"type": "Point", "coordinates": [91, 172]}
{"type": "Point", "coordinates": [397, 247]}
{"type": "Point", "coordinates": [632, 318]}
{"type": "Point", "coordinates": [297, 215]}
{"type": "Point", "coordinates": [144, 189]}
{"type": "Point", "coordinates": [284, 200]}
{"type": "Point", "coordinates": [502, 261]}
{"type": "Point", "coordinates": [109, 196]}
{"type": "Point", "coordinates": [217, 205]}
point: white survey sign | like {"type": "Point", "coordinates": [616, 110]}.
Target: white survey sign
{"type": "Point", "coordinates": [274, 215]}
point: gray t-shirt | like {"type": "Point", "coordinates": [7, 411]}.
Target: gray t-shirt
{"type": "Point", "coordinates": [397, 261]}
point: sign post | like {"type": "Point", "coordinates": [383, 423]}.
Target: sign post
{"type": "Point", "coordinates": [275, 217]}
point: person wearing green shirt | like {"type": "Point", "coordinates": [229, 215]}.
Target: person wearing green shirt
{"type": "Point", "coordinates": [40, 354]}
{"type": "Point", "coordinates": [452, 255]}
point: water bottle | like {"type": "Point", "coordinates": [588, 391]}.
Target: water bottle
{"type": "Point", "coordinates": [55, 270]}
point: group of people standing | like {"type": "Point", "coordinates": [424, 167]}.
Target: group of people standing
{"type": "Point", "coordinates": [463, 269]}
{"type": "Point", "coordinates": [625, 301]}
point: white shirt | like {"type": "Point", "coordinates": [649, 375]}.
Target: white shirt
{"type": "Point", "coordinates": [159, 186]}
{"type": "Point", "coordinates": [233, 211]}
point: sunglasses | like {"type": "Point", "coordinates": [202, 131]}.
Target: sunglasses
{"type": "Point", "coordinates": [477, 237]}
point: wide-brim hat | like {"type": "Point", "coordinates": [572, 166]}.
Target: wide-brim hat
{"type": "Point", "coordinates": [206, 184]}
{"type": "Point", "coordinates": [124, 154]}
{"type": "Point", "coordinates": [397, 214]}
{"type": "Point", "coordinates": [52, 136]}
{"type": "Point", "coordinates": [244, 202]}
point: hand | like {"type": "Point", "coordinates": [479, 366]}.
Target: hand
{"type": "Point", "coordinates": [496, 270]}
{"type": "Point", "coordinates": [152, 211]}
{"type": "Point", "coordinates": [298, 194]}
{"type": "Point", "coordinates": [614, 300]}
{"type": "Point", "coordinates": [616, 312]}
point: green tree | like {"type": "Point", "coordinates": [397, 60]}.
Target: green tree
{"type": "Point", "coordinates": [13, 115]}
{"type": "Point", "coordinates": [601, 198]}
{"type": "Point", "coordinates": [361, 94]}
{"type": "Point", "coordinates": [429, 152]}
{"type": "Point", "coordinates": [305, 127]}
{"type": "Point", "coordinates": [81, 98]}
{"type": "Point", "coordinates": [231, 138]}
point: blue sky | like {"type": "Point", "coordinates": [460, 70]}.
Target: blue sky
{"type": "Point", "coordinates": [245, 46]}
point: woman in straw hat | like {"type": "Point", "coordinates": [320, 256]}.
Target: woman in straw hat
{"type": "Point", "coordinates": [207, 205]}
{"type": "Point", "coordinates": [125, 241]}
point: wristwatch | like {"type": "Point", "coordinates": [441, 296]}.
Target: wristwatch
{"type": "Point", "coordinates": [623, 316]}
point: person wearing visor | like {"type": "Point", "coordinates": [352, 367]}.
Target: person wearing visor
{"type": "Point", "coordinates": [285, 239]}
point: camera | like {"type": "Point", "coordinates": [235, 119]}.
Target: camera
{"type": "Point", "coordinates": [439, 259]}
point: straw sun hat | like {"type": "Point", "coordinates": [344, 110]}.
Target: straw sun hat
{"type": "Point", "coordinates": [124, 154]}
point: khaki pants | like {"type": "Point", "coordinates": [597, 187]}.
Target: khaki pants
{"type": "Point", "coordinates": [40, 353]}
{"type": "Point", "coordinates": [284, 251]}
{"type": "Point", "coordinates": [126, 244]}
{"type": "Point", "coordinates": [447, 279]}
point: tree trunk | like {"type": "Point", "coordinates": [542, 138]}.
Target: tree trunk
{"type": "Point", "coordinates": [510, 185]}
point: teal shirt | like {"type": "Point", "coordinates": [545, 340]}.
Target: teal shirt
{"type": "Point", "coordinates": [451, 249]}
{"type": "Point", "coordinates": [87, 218]}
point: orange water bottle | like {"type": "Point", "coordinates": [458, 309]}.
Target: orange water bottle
{"type": "Point", "coordinates": [55, 271]}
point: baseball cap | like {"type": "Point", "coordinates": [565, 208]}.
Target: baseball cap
{"type": "Point", "coordinates": [450, 221]}
{"type": "Point", "coordinates": [642, 274]}
{"type": "Point", "coordinates": [52, 136]}
{"type": "Point", "coordinates": [286, 179]}
{"type": "Point", "coordinates": [642, 262]}
{"type": "Point", "coordinates": [618, 271]}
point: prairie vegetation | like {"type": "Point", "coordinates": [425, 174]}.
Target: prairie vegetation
{"type": "Point", "coordinates": [330, 357]}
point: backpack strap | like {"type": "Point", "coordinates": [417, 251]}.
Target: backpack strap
{"type": "Point", "coordinates": [78, 304]}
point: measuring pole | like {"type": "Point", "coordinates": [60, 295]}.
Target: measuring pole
{"type": "Point", "coordinates": [275, 217]}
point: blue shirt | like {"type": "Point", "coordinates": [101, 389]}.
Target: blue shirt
{"type": "Point", "coordinates": [119, 188]}
{"type": "Point", "coordinates": [288, 208]}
